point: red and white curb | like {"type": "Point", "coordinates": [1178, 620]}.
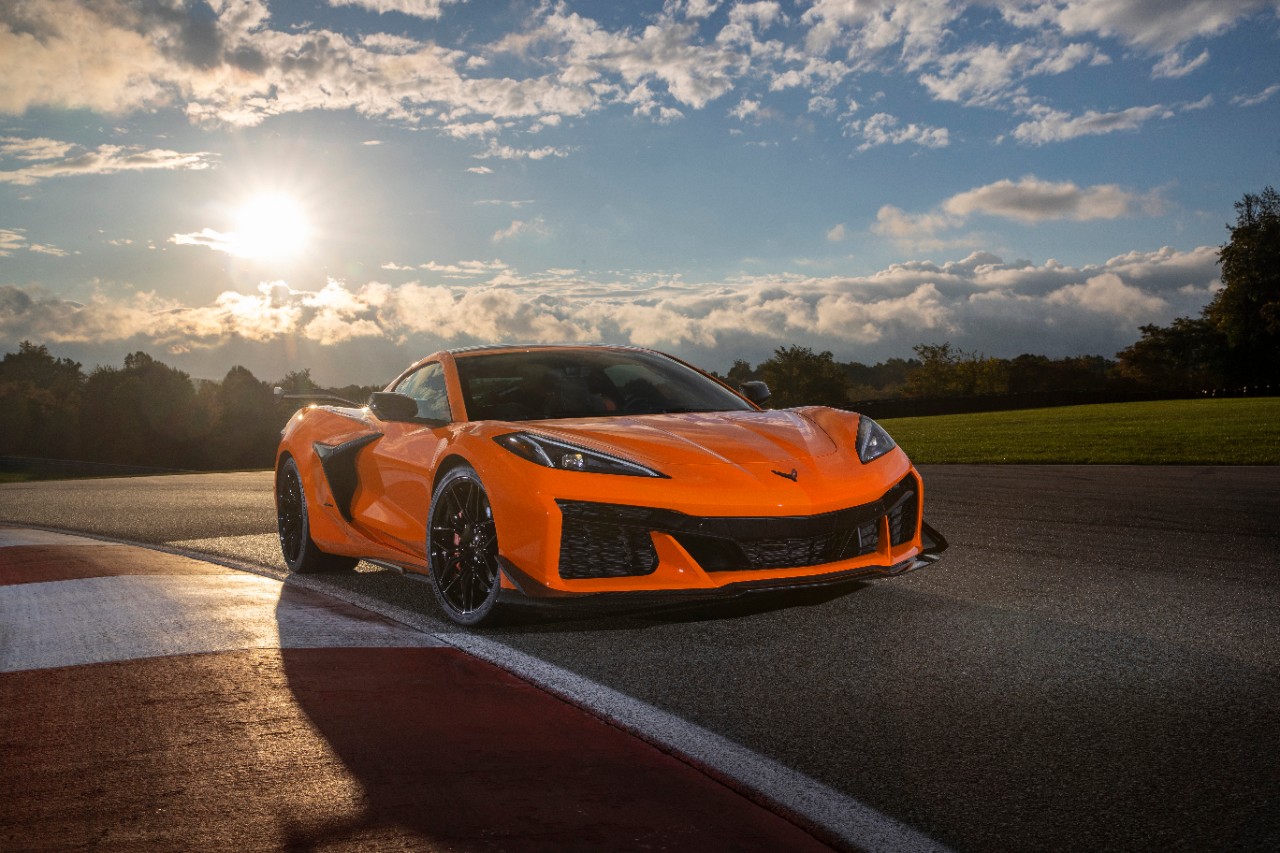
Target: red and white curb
{"type": "Point", "coordinates": [121, 617]}
{"type": "Point", "coordinates": [430, 738]}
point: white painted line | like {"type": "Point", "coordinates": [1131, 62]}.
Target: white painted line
{"type": "Point", "coordinates": [11, 537]}
{"type": "Point", "coordinates": [127, 617]}
{"type": "Point", "coordinates": [807, 801]}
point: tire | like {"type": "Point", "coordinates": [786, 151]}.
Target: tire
{"type": "Point", "coordinates": [462, 548]}
{"type": "Point", "coordinates": [293, 522]}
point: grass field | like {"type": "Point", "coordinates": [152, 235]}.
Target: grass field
{"type": "Point", "coordinates": [1168, 432]}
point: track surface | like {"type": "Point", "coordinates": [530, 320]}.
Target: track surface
{"type": "Point", "coordinates": [1095, 664]}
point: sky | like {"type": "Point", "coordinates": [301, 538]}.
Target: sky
{"type": "Point", "coordinates": [349, 185]}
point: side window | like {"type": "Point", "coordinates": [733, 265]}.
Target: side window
{"type": "Point", "coordinates": [427, 387]}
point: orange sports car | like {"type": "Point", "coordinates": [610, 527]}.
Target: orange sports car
{"type": "Point", "coordinates": [550, 472]}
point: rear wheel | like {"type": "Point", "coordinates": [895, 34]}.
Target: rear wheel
{"type": "Point", "coordinates": [462, 547]}
{"type": "Point", "coordinates": [301, 554]}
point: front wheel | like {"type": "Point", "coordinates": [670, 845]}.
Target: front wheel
{"type": "Point", "coordinates": [462, 548]}
{"type": "Point", "coordinates": [301, 554]}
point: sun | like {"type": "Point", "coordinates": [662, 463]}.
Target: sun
{"type": "Point", "coordinates": [270, 227]}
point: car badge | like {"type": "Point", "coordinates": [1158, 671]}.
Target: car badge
{"type": "Point", "coordinates": [794, 476]}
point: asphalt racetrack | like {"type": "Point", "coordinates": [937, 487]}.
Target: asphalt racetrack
{"type": "Point", "coordinates": [1094, 665]}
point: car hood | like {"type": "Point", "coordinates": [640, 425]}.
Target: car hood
{"type": "Point", "coordinates": [739, 438]}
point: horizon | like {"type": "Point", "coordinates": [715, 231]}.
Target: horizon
{"type": "Point", "coordinates": [350, 186]}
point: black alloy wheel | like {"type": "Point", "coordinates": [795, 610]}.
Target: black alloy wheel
{"type": "Point", "coordinates": [462, 547]}
{"type": "Point", "coordinates": [300, 552]}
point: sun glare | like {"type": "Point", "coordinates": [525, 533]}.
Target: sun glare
{"type": "Point", "coordinates": [270, 227]}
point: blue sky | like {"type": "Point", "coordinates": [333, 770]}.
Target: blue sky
{"type": "Point", "coordinates": [348, 185]}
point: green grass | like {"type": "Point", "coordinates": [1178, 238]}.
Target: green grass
{"type": "Point", "coordinates": [1168, 432]}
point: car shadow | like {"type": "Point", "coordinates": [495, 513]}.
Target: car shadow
{"type": "Point", "coordinates": [392, 741]}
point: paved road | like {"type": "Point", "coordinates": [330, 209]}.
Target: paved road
{"type": "Point", "coordinates": [1094, 665]}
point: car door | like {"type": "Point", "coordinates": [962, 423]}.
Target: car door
{"type": "Point", "coordinates": [397, 470]}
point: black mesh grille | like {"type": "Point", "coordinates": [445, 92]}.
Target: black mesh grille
{"type": "Point", "coordinates": [599, 549]}
{"type": "Point", "coordinates": [605, 540]}
{"type": "Point", "coordinates": [902, 519]}
{"type": "Point", "coordinates": [716, 554]}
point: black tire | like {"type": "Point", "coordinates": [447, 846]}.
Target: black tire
{"type": "Point", "coordinates": [462, 548]}
{"type": "Point", "coordinates": [293, 522]}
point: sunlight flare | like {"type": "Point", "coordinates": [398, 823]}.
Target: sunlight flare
{"type": "Point", "coordinates": [270, 227]}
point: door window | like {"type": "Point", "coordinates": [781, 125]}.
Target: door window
{"type": "Point", "coordinates": [426, 385]}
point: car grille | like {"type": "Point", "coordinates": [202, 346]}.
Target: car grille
{"type": "Point", "coordinates": [591, 547]}
{"type": "Point", "coordinates": [608, 540]}
{"type": "Point", "coordinates": [903, 519]}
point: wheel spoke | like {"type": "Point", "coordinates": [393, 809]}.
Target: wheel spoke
{"type": "Point", "coordinates": [291, 508]}
{"type": "Point", "coordinates": [462, 546]}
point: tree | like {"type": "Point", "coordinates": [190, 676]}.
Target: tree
{"type": "Point", "coordinates": [247, 424]}
{"type": "Point", "coordinates": [1038, 373]}
{"type": "Point", "coordinates": [1186, 357]}
{"type": "Point", "coordinates": [39, 403]}
{"type": "Point", "coordinates": [298, 382]}
{"type": "Point", "coordinates": [947, 372]}
{"type": "Point", "coordinates": [143, 414]}
{"type": "Point", "coordinates": [740, 372]}
{"type": "Point", "coordinates": [797, 376]}
{"type": "Point", "coordinates": [1247, 309]}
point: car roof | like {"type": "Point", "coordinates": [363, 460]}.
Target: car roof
{"type": "Point", "coordinates": [481, 349]}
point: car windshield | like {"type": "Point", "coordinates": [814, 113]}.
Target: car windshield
{"type": "Point", "coordinates": [585, 383]}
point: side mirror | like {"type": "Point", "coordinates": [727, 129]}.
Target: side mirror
{"type": "Point", "coordinates": [390, 406]}
{"type": "Point", "coordinates": [755, 391]}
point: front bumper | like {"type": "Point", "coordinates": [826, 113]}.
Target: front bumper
{"type": "Point", "coordinates": [528, 589]}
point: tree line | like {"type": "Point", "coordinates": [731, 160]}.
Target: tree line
{"type": "Point", "coordinates": [144, 413]}
{"type": "Point", "coordinates": [150, 414]}
{"type": "Point", "coordinates": [1233, 344]}
{"type": "Point", "coordinates": [799, 376]}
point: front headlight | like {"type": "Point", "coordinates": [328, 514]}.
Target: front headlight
{"type": "Point", "coordinates": [563, 456]}
{"type": "Point", "coordinates": [873, 441]}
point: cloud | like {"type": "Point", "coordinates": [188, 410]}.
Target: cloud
{"type": "Point", "coordinates": [979, 302]}
{"type": "Point", "coordinates": [915, 232]}
{"type": "Point", "coordinates": [1255, 99]}
{"type": "Point", "coordinates": [38, 148]}
{"type": "Point", "coordinates": [1154, 26]}
{"type": "Point", "coordinates": [520, 228]}
{"type": "Point", "coordinates": [1031, 200]}
{"type": "Point", "coordinates": [1028, 201]}
{"type": "Point", "coordinates": [506, 152]}
{"type": "Point", "coordinates": [51, 160]}
{"type": "Point", "coordinates": [460, 269]}
{"type": "Point", "coordinates": [666, 53]}
{"type": "Point", "coordinates": [885, 129]}
{"type": "Point", "coordinates": [836, 233]}
{"type": "Point", "coordinates": [990, 74]}
{"type": "Point", "coordinates": [11, 241]}
{"type": "Point", "coordinates": [426, 9]}
{"type": "Point", "coordinates": [62, 54]}
{"type": "Point", "coordinates": [1054, 126]}
{"type": "Point", "coordinates": [235, 70]}
{"type": "Point", "coordinates": [14, 240]}
{"type": "Point", "coordinates": [231, 63]}
{"type": "Point", "coordinates": [869, 28]}
{"type": "Point", "coordinates": [230, 244]}
{"type": "Point", "coordinates": [1108, 294]}
{"type": "Point", "coordinates": [1172, 65]}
